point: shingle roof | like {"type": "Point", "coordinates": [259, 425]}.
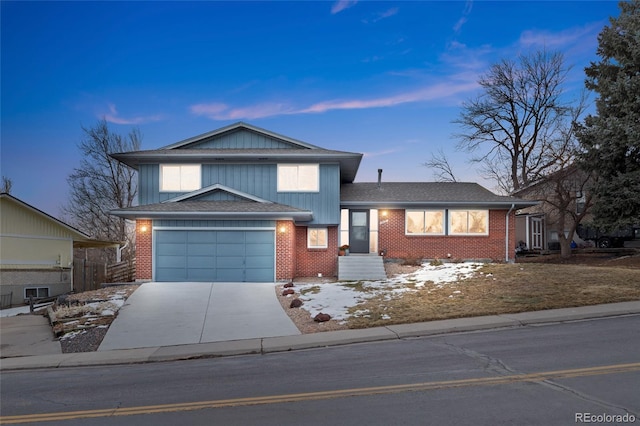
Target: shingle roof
{"type": "Point", "coordinates": [423, 193]}
{"type": "Point", "coordinates": [214, 209]}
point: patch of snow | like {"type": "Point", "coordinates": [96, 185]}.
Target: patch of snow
{"type": "Point", "coordinates": [336, 299]}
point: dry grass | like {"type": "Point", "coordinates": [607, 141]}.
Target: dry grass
{"type": "Point", "coordinates": [505, 288]}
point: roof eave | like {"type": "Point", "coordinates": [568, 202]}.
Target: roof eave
{"type": "Point", "coordinates": [518, 204]}
{"type": "Point", "coordinates": [194, 215]}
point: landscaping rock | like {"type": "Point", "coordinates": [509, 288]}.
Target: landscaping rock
{"type": "Point", "coordinates": [288, 285]}
{"type": "Point", "coordinates": [295, 303]}
{"type": "Point", "coordinates": [287, 292]}
{"type": "Point", "coordinates": [322, 317]}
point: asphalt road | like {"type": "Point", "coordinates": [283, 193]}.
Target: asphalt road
{"type": "Point", "coordinates": [544, 375]}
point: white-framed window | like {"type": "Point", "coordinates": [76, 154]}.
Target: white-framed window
{"type": "Point", "coordinates": [298, 177]}
{"type": "Point", "coordinates": [36, 292]}
{"type": "Point", "coordinates": [180, 177]}
{"type": "Point", "coordinates": [468, 222]}
{"type": "Point", "coordinates": [317, 238]}
{"type": "Point", "coordinates": [424, 222]}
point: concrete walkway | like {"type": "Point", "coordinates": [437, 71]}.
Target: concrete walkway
{"type": "Point", "coordinates": [317, 340]}
{"type": "Point", "coordinates": [183, 313]}
{"type": "Point", "coordinates": [27, 335]}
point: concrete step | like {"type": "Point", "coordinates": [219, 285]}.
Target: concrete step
{"type": "Point", "coordinates": [361, 267]}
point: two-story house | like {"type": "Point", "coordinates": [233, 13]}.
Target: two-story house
{"type": "Point", "coordinates": [245, 204]}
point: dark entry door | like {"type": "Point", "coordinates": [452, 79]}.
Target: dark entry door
{"type": "Point", "coordinates": [359, 231]}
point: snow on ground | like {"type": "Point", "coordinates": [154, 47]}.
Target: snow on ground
{"type": "Point", "coordinates": [335, 299]}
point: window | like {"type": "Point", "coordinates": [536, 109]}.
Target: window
{"type": "Point", "coordinates": [298, 177]}
{"type": "Point", "coordinates": [424, 222]}
{"type": "Point", "coordinates": [36, 292]}
{"type": "Point", "coordinates": [317, 238]}
{"type": "Point", "coordinates": [468, 222]}
{"type": "Point", "coordinates": [179, 177]}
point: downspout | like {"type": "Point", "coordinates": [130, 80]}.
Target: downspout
{"type": "Point", "coordinates": [119, 251]}
{"type": "Point", "coordinates": [506, 238]}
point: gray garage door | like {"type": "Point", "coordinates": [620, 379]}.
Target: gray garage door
{"type": "Point", "coordinates": [233, 256]}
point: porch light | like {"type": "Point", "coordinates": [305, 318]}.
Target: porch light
{"type": "Point", "coordinates": [283, 229]}
{"type": "Point", "coordinates": [384, 213]}
{"type": "Point", "coordinates": [143, 228]}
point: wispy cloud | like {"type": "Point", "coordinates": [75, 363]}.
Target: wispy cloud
{"type": "Point", "coordinates": [382, 15]}
{"type": "Point", "coordinates": [114, 117]}
{"type": "Point", "coordinates": [380, 153]}
{"type": "Point", "coordinates": [463, 19]}
{"type": "Point", "coordinates": [221, 111]}
{"type": "Point", "coordinates": [562, 39]}
{"type": "Point", "coordinates": [445, 90]}
{"type": "Point", "coordinates": [341, 5]}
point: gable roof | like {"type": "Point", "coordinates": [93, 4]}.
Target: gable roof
{"type": "Point", "coordinates": [215, 210]}
{"type": "Point", "coordinates": [80, 239]}
{"type": "Point", "coordinates": [294, 151]}
{"type": "Point", "coordinates": [237, 126]}
{"type": "Point", "coordinates": [216, 188]}
{"type": "Point", "coordinates": [436, 194]}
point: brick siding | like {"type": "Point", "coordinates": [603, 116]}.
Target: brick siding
{"type": "Point", "coordinates": [285, 250]}
{"type": "Point", "coordinates": [393, 240]}
{"type": "Point", "coordinates": [144, 250]}
{"type": "Point", "coordinates": [311, 262]}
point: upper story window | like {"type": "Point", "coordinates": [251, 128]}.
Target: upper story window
{"type": "Point", "coordinates": [179, 177]}
{"type": "Point", "coordinates": [298, 177]}
{"type": "Point", "coordinates": [424, 222]}
{"type": "Point", "coordinates": [468, 222]}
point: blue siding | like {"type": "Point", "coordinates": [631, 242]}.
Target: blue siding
{"type": "Point", "coordinates": [259, 180]}
{"type": "Point", "coordinates": [241, 139]}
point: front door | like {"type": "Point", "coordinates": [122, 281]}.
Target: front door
{"type": "Point", "coordinates": [536, 233]}
{"type": "Point", "coordinates": [359, 231]}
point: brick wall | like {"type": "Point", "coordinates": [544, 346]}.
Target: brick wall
{"type": "Point", "coordinates": [392, 238]}
{"type": "Point", "coordinates": [144, 250]}
{"type": "Point", "coordinates": [285, 250]}
{"type": "Point", "coordinates": [310, 262]}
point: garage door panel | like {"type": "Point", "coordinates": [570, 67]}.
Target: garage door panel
{"type": "Point", "coordinates": [258, 274]}
{"type": "Point", "coordinates": [201, 262]}
{"type": "Point", "coordinates": [170, 249]}
{"type": "Point", "coordinates": [172, 261]}
{"type": "Point", "coordinates": [259, 249]}
{"type": "Point", "coordinates": [229, 262]}
{"type": "Point", "coordinates": [231, 275]}
{"type": "Point", "coordinates": [227, 249]}
{"type": "Point", "coordinates": [232, 237]}
{"type": "Point", "coordinates": [260, 262]}
{"type": "Point", "coordinates": [171, 237]}
{"type": "Point", "coordinates": [260, 237]}
{"type": "Point", "coordinates": [201, 249]}
{"type": "Point", "coordinates": [201, 274]}
{"type": "Point", "coordinates": [171, 274]}
{"type": "Point", "coordinates": [206, 237]}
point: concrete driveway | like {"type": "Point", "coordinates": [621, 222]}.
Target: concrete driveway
{"type": "Point", "coordinates": [167, 314]}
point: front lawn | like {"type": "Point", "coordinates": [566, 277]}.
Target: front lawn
{"type": "Point", "coordinates": [454, 290]}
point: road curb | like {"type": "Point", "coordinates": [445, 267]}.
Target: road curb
{"type": "Point", "coordinates": [317, 340]}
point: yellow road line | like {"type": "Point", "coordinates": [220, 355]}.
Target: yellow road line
{"type": "Point", "coordinates": [310, 396]}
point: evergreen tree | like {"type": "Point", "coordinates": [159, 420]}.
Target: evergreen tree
{"type": "Point", "coordinates": [611, 138]}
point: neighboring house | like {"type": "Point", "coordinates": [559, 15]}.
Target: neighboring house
{"type": "Point", "coordinates": [564, 202]}
{"type": "Point", "coordinates": [36, 251]}
{"type": "Point", "coordinates": [245, 204]}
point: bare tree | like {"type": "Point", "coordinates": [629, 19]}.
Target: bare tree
{"type": "Point", "coordinates": [102, 183]}
{"type": "Point", "coordinates": [515, 126]}
{"type": "Point", "coordinates": [442, 170]}
{"type": "Point", "coordinates": [7, 184]}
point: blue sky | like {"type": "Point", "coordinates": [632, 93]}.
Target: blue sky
{"type": "Point", "coordinates": [382, 78]}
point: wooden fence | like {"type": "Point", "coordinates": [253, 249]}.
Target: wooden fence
{"type": "Point", "coordinates": [89, 275]}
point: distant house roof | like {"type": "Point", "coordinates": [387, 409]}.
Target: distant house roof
{"type": "Point", "coordinates": [295, 151]}
{"type": "Point", "coordinates": [437, 194]}
{"type": "Point", "coordinates": [80, 239]}
{"type": "Point", "coordinates": [215, 210]}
